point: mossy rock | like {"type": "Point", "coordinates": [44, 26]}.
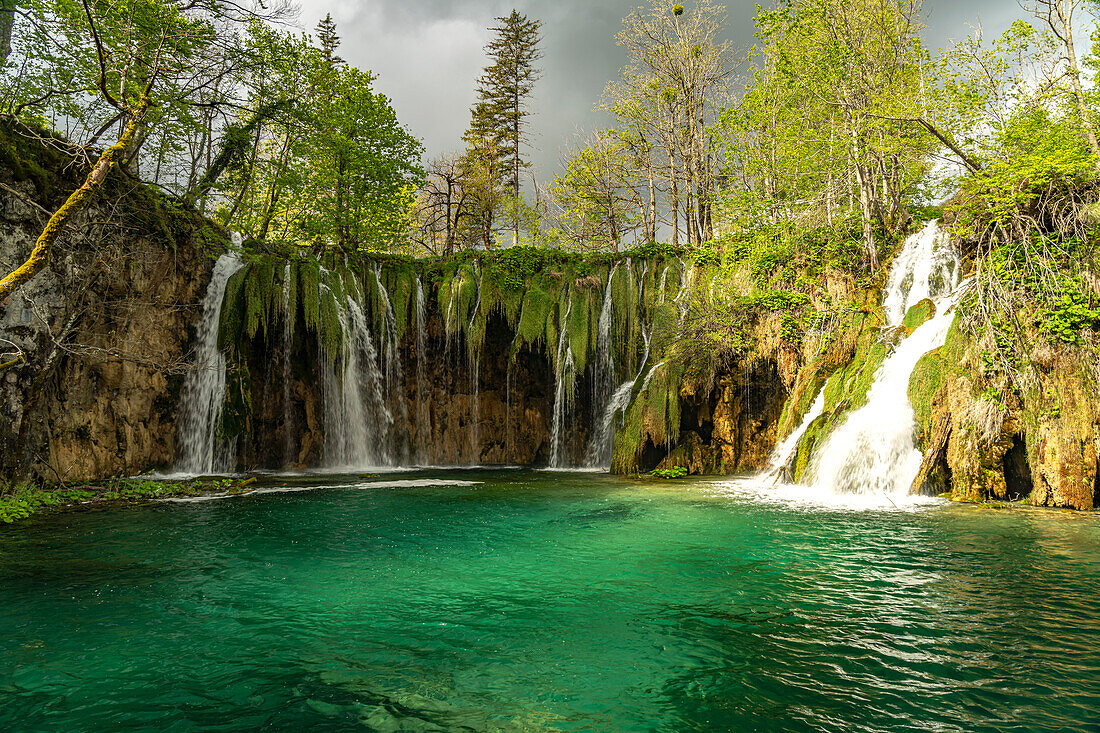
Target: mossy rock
{"type": "Point", "coordinates": [919, 314]}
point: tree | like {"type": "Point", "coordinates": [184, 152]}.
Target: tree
{"type": "Point", "coordinates": [679, 72]}
{"type": "Point", "coordinates": [831, 112]}
{"type": "Point", "coordinates": [135, 44]}
{"type": "Point", "coordinates": [445, 204]}
{"type": "Point", "coordinates": [595, 195]}
{"type": "Point", "coordinates": [499, 117]}
{"type": "Point", "coordinates": [1057, 15]}
{"type": "Point", "coordinates": [326, 36]}
{"type": "Point", "coordinates": [331, 166]}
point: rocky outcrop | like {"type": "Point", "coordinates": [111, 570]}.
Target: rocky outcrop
{"type": "Point", "coordinates": [1039, 445]}
{"type": "Point", "coordinates": [100, 338]}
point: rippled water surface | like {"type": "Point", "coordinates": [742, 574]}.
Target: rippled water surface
{"type": "Point", "coordinates": [519, 601]}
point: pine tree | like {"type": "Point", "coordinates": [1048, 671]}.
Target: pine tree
{"type": "Point", "coordinates": [500, 113]}
{"type": "Point", "coordinates": [326, 34]}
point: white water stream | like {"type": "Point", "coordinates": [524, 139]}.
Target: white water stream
{"type": "Point", "coordinates": [562, 398]}
{"type": "Point", "coordinates": [873, 451]}
{"type": "Point", "coordinates": [200, 452]}
{"type": "Point", "coordinates": [782, 453]}
{"type": "Point", "coordinates": [423, 424]}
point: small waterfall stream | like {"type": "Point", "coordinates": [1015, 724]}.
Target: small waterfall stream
{"type": "Point", "coordinates": [288, 333]}
{"type": "Point", "coordinates": [423, 425]}
{"type": "Point", "coordinates": [782, 453]}
{"type": "Point", "coordinates": [357, 420]}
{"type": "Point", "coordinates": [603, 385]}
{"type": "Point", "coordinates": [392, 373]}
{"type": "Point", "coordinates": [200, 450]}
{"type": "Point", "coordinates": [564, 373]}
{"type": "Point", "coordinates": [874, 450]}
{"type": "Point", "coordinates": [473, 366]}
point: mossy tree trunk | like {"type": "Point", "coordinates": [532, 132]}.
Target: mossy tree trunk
{"type": "Point", "coordinates": [76, 203]}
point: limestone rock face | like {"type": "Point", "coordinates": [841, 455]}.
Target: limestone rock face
{"type": "Point", "coordinates": [1065, 417]}
{"type": "Point", "coordinates": [1041, 447]}
{"type": "Point", "coordinates": [103, 331]}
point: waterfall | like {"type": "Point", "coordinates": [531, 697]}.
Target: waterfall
{"type": "Point", "coordinates": [683, 299]}
{"type": "Point", "coordinates": [357, 421]}
{"type": "Point", "coordinates": [473, 366]}
{"type": "Point", "coordinates": [602, 445]}
{"type": "Point", "coordinates": [782, 453]}
{"type": "Point", "coordinates": [393, 376]}
{"type": "Point", "coordinates": [288, 324]}
{"type": "Point", "coordinates": [926, 267]}
{"type": "Point", "coordinates": [204, 387]}
{"type": "Point", "coordinates": [508, 411]}
{"type": "Point", "coordinates": [423, 427]}
{"type": "Point", "coordinates": [603, 384]}
{"type": "Point", "coordinates": [564, 366]}
{"type": "Point", "coordinates": [873, 450]}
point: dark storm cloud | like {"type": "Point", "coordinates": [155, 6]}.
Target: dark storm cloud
{"type": "Point", "coordinates": [429, 53]}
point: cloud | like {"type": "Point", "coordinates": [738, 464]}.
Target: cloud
{"type": "Point", "coordinates": [429, 53]}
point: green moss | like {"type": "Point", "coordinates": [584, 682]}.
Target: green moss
{"type": "Point", "coordinates": [231, 325]}
{"type": "Point", "coordinates": [258, 295]}
{"type": "Point", "coordinates": [579, 329]}
{"type": "Point", "coordinates": [918, 314]}
{"type": "Point", "coordinates": [20, 501]}
{"type": "Point", "coordinates": [309, 282]}
{"type": "Point", "coordinates": [653, 417]}
{"type": "Point", "coordinates": [535, 313]}
{"type": "Point", "coordinates": [329, 333]}
{"type": "Point", "coordinates": [23, 153]}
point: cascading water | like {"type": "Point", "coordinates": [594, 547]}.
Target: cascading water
{"type": "Point", "coordinates": [782, 453]}
{"type": "Point", "coordinates": [423, 427]}
{"type": "Point", "coordinates": [926, 267]}
{"type": "Point", "coordinates": [682, 298]}
{"type": "Point", "coordinates": [288, 319]}
{"type": "Point", "coordinates": [392, 373]}
{"type": "Point", "coordinates": [357, 422]}
{"type": "Point", "coordinates": [473, 366]}
{"type": "Point", "coordinates": [204, 387]}
{"type": "Point", "coordinates": [602, 445]}
{"type": "Point", "coordinates": [603, 439]}
{"type": "Point", "coordinates": [564, 372]}
{"type": "Point", "coordinates": [873, 450]}
{"type": "Point", "coordinates": [603, 384]}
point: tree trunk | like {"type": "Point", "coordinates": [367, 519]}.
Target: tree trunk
{"type": "Point", "coordinates": [675, 201]}
{"type": "Point", "coordinates": [1066, 16]}
{"type": "Point", "coordinates": [651, 217]}
{"type": "Point", "coordinates": [76, 202]}
{"type": "Point", "coordinates": [7, 22]}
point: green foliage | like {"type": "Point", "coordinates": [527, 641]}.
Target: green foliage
{"type": "Point", "coordinates": [826, 121]}
{"type": "Point", "coordinates": [333, 167]}
{"type": "Point", "coordinates": [676, 472]}
{"type": "Point", "coordinates": [1066, 318]}
{"type": "Point", "coordinates": [1042, 164]}
{"type": "Point", "coordinates": [596, 193]}
{"type": "Point", "coordinates": [22, 500]}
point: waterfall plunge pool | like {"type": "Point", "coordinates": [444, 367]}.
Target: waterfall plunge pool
{"type": "Point", "coordinates": [442, 600]}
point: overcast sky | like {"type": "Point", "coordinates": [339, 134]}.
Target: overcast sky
{"type": "Point", "coordinates": [429, 53]}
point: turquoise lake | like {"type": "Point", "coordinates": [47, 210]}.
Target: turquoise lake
{"type": "Point", "coordinates": [466, 600]}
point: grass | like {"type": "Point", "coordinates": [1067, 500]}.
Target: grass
{"type": "Point", "coordinates": [22, 500]}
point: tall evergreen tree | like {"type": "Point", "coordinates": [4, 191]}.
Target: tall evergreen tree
{"type": "Point", "coordinates": [500, 113]}
{"type": "Point", "coordinates": [326, 36]}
